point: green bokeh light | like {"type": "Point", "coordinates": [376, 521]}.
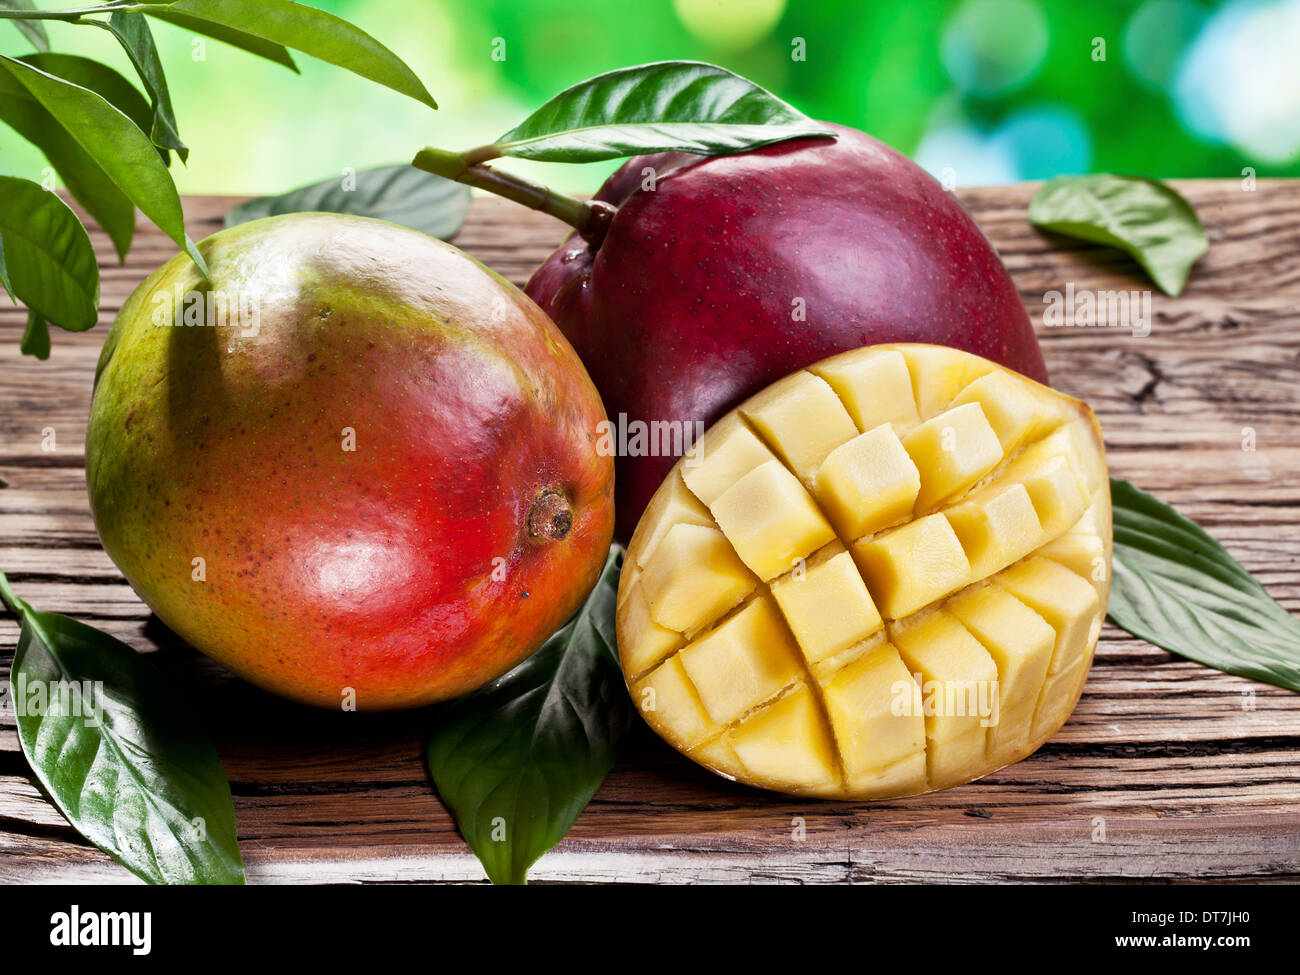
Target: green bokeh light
{"type": "Point", "coordinates": [994, 46]}
{"type": "Point", "coordinates": [1007, 87]}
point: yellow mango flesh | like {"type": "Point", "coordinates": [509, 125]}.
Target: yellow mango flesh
{"type": "Point", "coordinates": [874, 386]}
{"type": "Point", "coordinates": [805, 595]}
{"type": "Point", "coordinates": [803, 419]}
{"type": "Point", "coordinates": [742, 662]}
{"type": "Point", "coordinates": [693, 578]}
{"type": "Point", "coordinates": [868, 483]}
{"type": "Point", "coordinates": [914, 565]}
{"type": "Point", "coordinates": [952, 451]}
{"type": "Point", "coordinates": [883, 575]}
{"type": "Point", "coordinates": [770, 520]}
{"type": "Point", "coordinates": [860, 699]}
{"type": "Point", "coordinates": [731, 451]}
{"type": "Point", "coordinates": [787, 745]}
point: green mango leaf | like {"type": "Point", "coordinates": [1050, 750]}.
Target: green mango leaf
{"type": "Point", "coordinates": [686, 105]}
{"type": "Point", "coordinates": [133, 33]}
{"type": "Point", "coordinates": [33, 30]}
{"type": "Point", "coordinates": [4, 273]}
{"type": "Point", "coordinates": [84, 178]}
{"type": "Point", "coordinates": [1173, 585]}
{"type": "Point", "coordinates": [251, 43]}
{"type": "Point", "coordinates": [49, 261]}
{"type": "Point", "coordinates": [518, 760]}
{"type": "Point", "coordinates": [36, 337]}
{"type": "Point", "coordinates": [119, 754]}
{"type": "Point", "coordinates": [124, 152]}
{"type": "Point", "coordinates": [401, 194]}
{"type": "Point", "coordinates": [1143, 217]}
{"type": "Point", "coordinates": [310, 30]}
{"type": "Point", "coordinates": [99, 78]}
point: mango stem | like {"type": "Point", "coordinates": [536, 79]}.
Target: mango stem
{"type": "Point", "coordinates": [590, 218]}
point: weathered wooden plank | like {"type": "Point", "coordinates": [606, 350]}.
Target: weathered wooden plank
{"type": "Point", "coordinates": [1195, 774]}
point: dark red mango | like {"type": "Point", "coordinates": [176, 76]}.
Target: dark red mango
{"type": "Point", "coordinates": [720, 275]}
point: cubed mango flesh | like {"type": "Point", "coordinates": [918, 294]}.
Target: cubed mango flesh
{"type": "Point", "coordinates": [728, 453]}
{"type": "Point", "coordinates": [913, 566]}
{"type": "Point", "coordinates": [647, 643]}
{"type": "Point", "coordinates": [938, 376]}
{"type": "Point", "coordinates": [874, 386]}
{"type": "Point", "coordinates": [672, 505]}
{"type": "Point", "coordinates": [1020, 643]}
{"type": "Point", "coordinates": [883, 575]}
{"type": "Point", "coordinates": [996, 527]}
{"type": "Point", "coordinates": [868, 484]}
{"type": "Point", "coordinates": [951, 451]}
{"type": "Point", "coordinates": [959, 690]}
{"type": "Point", "coordinates": [1066, 601]}
{"type": "Point", "coordinates": [668, 698]}
{"type": "Point", "coordinates": [771, 520]}
{"type": "Point", "coordinates": [787, 744]}
{"type": "Point", "coordinates": [746, 659]}
{"type": "Point", "coordinates": [1017, 411]}
{"type": "Point", "coordinates": [693, 578]}
{"type": "Point", "coordinates": [871, 704]}
{"type": "Point", "coordinates": [805, 595]}
{"type": "Point", "coordinates": [803, 419]}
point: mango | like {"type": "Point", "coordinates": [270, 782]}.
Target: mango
{"type": "Point", "coordinates": [881, 609]}
{"type": "Point", "coordinates": [723, 274]}
{"type": "Point", "coordinates": [354, 466]}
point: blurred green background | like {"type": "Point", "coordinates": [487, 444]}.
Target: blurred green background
{"type": "Point", "coordinates": [979, 91]}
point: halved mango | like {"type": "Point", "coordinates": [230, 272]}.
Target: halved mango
{"type": "Point", "coordinates": [881, 576]}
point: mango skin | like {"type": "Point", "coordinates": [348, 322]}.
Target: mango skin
{"type": "Point", "coordinates": [404, 569]}
{"type": "Point", "coordinates": [688, 306]}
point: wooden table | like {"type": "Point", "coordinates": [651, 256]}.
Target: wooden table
{"type": "Point", "coordinates": [1166, 769]}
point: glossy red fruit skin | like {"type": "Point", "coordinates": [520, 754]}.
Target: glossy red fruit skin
{"type": "Point", "coordinates": [737, 270]}
{"type": "Point", "coordinates": [391, 570]}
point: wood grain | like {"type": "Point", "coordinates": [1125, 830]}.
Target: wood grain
{"type": "Point", "coordinates": [1167, 770]}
